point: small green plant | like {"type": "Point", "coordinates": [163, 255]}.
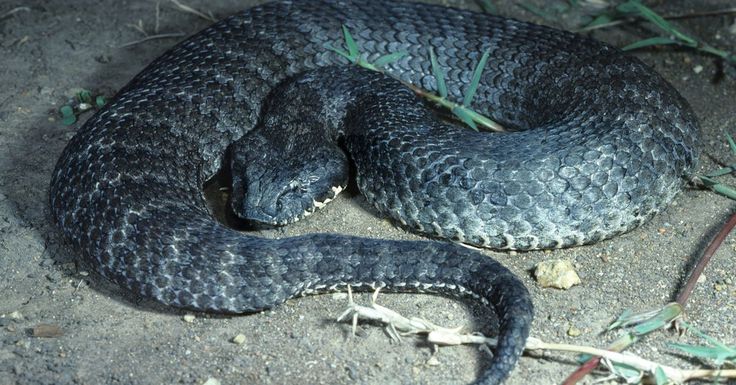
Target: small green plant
{"type": "Point", "coordinates": [632, 9]}
{"type": "Point", "coordinates": [353, 54]}
{"type": "Point", "coordinates": [461, 111]}
{"type": "Point", "coordinates": [711, 183]}
{"type": "Point", "coordinates": [715, 350]}
{"type": "Point", "coordinates": [83, 101]}
{"type": "Point", "coordinates": [67, 115]}
{"type": "Point", "coordinates": [672, 35]}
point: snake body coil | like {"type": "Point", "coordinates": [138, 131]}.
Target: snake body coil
{"type": "Point", "coordinates": [600, 145]}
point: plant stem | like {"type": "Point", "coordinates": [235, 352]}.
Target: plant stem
{"type": "Point", "coordinates": [695, 273]}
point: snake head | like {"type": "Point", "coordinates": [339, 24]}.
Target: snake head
{"type": "Point", "coordinates": [277, 187]}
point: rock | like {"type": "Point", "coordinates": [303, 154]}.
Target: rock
{"type": "Point", "coordinates": [47, 331]}
{"type": "Point", "coordinates": [573, 331]}
{"type": "Point", "coordinates": [239, 339]}
{"type": "Point", "coordinates": [556, 273]}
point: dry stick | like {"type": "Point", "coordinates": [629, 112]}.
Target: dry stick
{"type": "Point", "coordinates": [704, 259]}
{"type": "Point", "coordinates": [14, 11]}
{"type": "Point", "coordinates": [682, 297]}
{"type": "Point", "coordinates": [193, 11]}
{"type": "Point", "coordinates": [152, 37]}
{"type": "Point", "coordinates": [158, 17]}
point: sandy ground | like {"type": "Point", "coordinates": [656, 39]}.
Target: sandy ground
{"type": "Point", "coordinates": [107, 336]}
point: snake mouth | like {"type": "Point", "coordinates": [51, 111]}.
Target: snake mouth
{"type": "Point", "coordinates": [287, 209]}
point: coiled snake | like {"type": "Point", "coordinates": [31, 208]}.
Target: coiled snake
{"type": "Point", "coordinates": [600, 145]}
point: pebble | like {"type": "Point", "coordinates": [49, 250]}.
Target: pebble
{"type": "Point", "coordinates": [557, 273]}
{"type": "Point", "coordinates": [189, 318]}
{"type": "Point", "coordinates": [339, 296]}
{"type": "Point", "coordinates": [239, 339]}
{"type": "Point", "coordinates": [16, 315]}
{"type": "Point", "coordinates": [573, 331]}
{"type": "Point", "coordinates": [47, 331]}
{"type": "Point", "coordinates": [433, 361]}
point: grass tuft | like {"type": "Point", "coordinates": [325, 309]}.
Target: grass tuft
{"type": "Point", "coordinates": [473, 119]}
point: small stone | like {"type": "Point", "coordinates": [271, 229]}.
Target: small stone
{"type": "Point", "coordinates": [573, 331]}
{"type": "Point", "coordinates": [698, 69]}
{"type": "Point", "coordinates": [16, 315]}
{"type": "Point", "coordinates": [661, 230]}
{"type": "Point", "coordinates": [212, 381]}
{"type": "Point", "coordinates": [189, 318]}
{"type": "Point", "coordinates": [239, 339]}
{"type": "Point", "coordinates": [339, 296]}
{"type": "Point", "coordinates": [556, 273]}
{"type": "Point", "coordinates": [720, 287]}
{"type": "Point", "coordinates": [47, 331]}
{"type": "Point", "coordinates": [433, 361]}
{"type": "Point", "coordinates": [352, 372]}
{"type": "Point", "coordinates": [702, 278]}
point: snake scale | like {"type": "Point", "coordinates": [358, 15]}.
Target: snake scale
{"type": "Point", "coordinates": [599, 144]}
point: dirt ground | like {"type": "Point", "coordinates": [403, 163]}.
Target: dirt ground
{"type": "Point", "coordinates": [50, 49]}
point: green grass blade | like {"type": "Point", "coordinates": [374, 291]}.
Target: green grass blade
{"type": "Point", "coordinates": [635, 7]}
{"type": "Point", "coordinates": [708, 338]}
{"type": "Point", "coordinates": [628, 372]}
{"type": "Point", "coordinates": [487, 6]}
{"type": "Point", "coordinates": [720, 188]}
{"type": "Point", "coordinates": [601, 19]}
{"type": "Point", "coordinates": [722, 171]}
{"type": "Point", "coordinates": [731, 143]}
{"type": "Point", "coordinates": [645, 322]}
{"type": "Point", "coordinates": [100, 101]}
{"type": "Point", "coordinates": [390, 58]}
{"type": "Point", "coordinates": [463, 114]}
{"type": "Point", "coordinates": [660, 377]}
{"type": "Point", "coordinates": [716, 354]}
{"type": "Point", "coordinates": [470, 93]}
{"type": "Point", "coordinates": [659, 40]}
{"type": "Point", "coordinates": [340, 52]}
{"type": "Point", "coordinates": [439, 76]}
{"type": "Point", "coordinates": [350, 43]}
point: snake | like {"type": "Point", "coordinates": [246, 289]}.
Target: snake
{"type": "Point", "coordinates": [597, 143]}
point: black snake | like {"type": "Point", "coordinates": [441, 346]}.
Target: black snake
{"type": "Point", "coordinates": [600, 144]}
